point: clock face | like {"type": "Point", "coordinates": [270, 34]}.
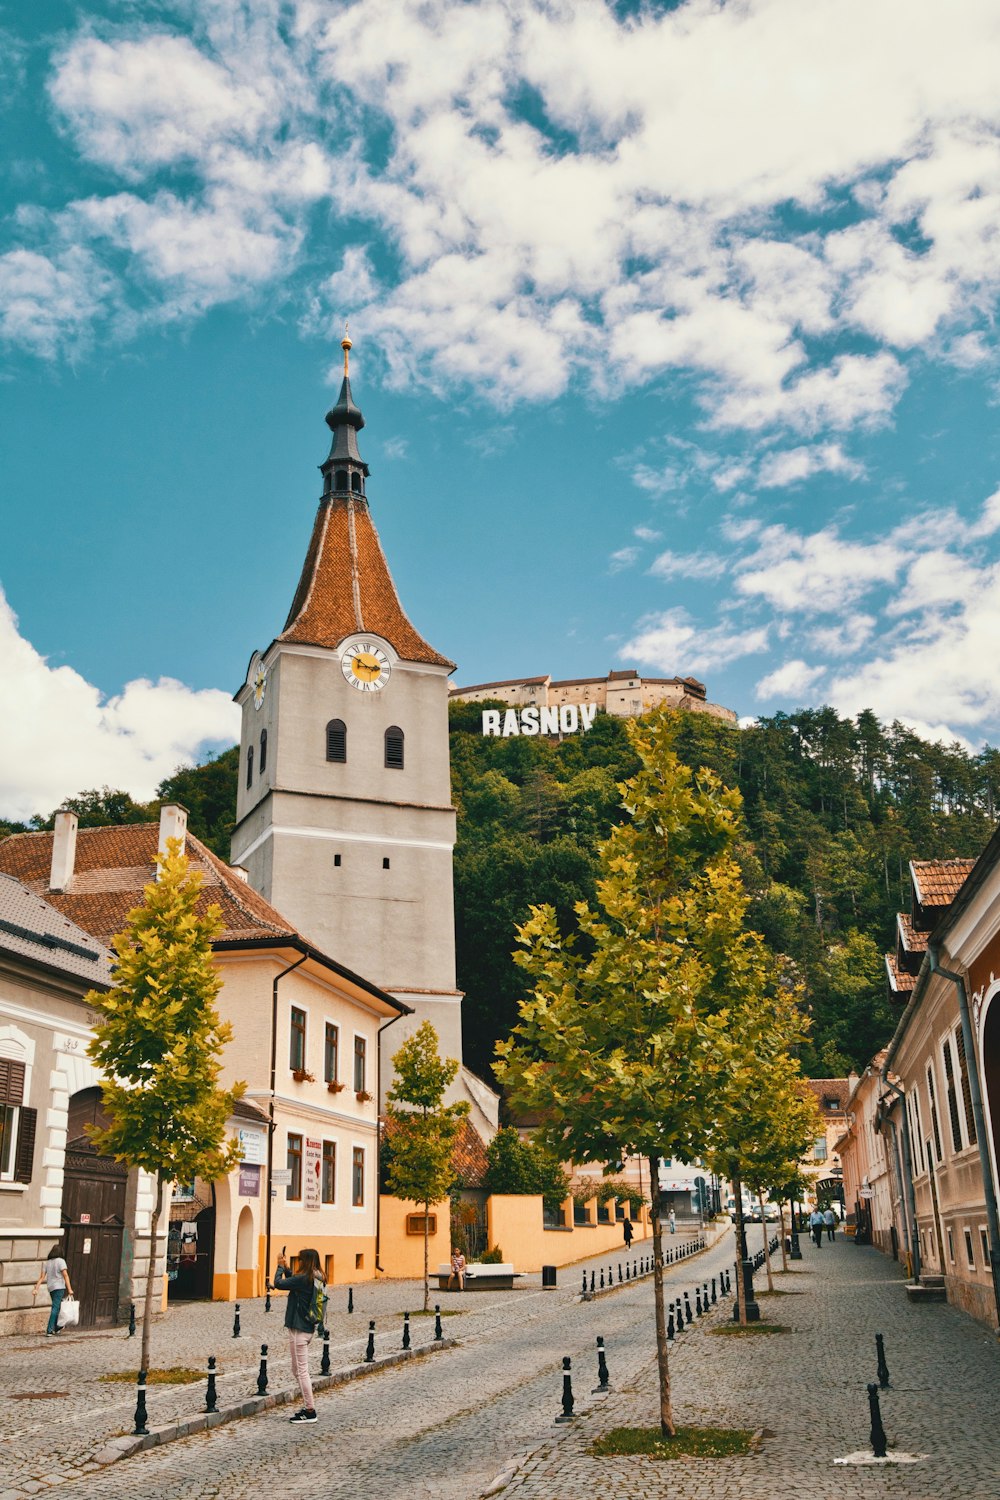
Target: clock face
{"type": "Point", "coordinates": [365, 666]}
{"type": "Point", "coordinates": [257, 681]}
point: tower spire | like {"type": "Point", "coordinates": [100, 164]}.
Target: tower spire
{"type": "Point", "coordinates": [345, 471]}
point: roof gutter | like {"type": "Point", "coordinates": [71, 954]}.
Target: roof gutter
{"type": "Point", "coordinates": [975, 1092]}
{"type": "Point", "coordinates": [378, 1138]}
{"type": "Point", "coordinates": [299, 944]}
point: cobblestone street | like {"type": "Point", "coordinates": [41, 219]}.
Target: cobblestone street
{"type": "Point", "coordinates": [451, 1425]}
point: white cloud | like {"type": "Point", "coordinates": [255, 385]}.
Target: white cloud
{"type": "Point", "coordinates": [67, 736]}
{"type": "Point", "coordinates": [844, 639]}
{"type": "Point", "coordinates": [671, 642]}
{"type": "Point", "coordinates": [623, 558]}
{"type": "Point", "coordinates": [49, 303]}
{"type": "Point", "coordinates": [688, 565]}
{"type": "Point", "coordinates": [647, 534]}
{"type": "Point", "coordinates": [789, 680]}
{"type": "Point", "coordinates": [795, 464]}
{"type": "Point", "coordinates": [395, 447]}
{"type": "Point", "coordinates": [815, 573]}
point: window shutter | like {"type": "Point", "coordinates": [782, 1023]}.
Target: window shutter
{"type": "Point", "coordinates": [25, 1145]}
{"type": "Point", "coordinates": [11, 1081]}
{"type": "Point", "coordinates": [336, 740]}
{"type": "Point", "coordinates": [394, 748]}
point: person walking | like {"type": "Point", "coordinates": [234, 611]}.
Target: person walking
{"type": "Point", "coordinates": [305, 1292]}
{"type": "Point", "coordinates": [672, 1221]}
{"type": "Point", "coordinates": [830, 1221]}
{"type": "Point", "coordinates": [816, 1228]}
{"type": "Point", "coordinates": [628, 1232]}
{"type": "Point", "coordinates": [55, 1274]}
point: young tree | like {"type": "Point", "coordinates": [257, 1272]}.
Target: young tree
{"type": "Point", "coordinates": [159, 1042]}
{"type": "Point", "coordinates": [425, 1130]}
{"type": "Point", "coordinates": [626, 1040]}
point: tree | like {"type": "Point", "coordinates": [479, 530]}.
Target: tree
{"type": "Point", "coordinates": [424, 1133]}
{"type": "Point", "coordinates": [159, 1042]}
{"type": "Point", "coordinates": [523, 1167]}
{"type": "Point", "coordinates": [626, 1038]}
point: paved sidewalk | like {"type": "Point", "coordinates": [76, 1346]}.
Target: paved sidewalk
{"type": "Point", "coordinates": [806, 1388]}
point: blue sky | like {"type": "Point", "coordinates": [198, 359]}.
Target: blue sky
{"type": "Point", "coordinates": [674, 332]}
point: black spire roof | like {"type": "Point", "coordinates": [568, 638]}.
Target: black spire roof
{"type": "Point", "coordinates": [345, 422]}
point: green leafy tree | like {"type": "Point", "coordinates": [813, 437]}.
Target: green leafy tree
{"type": "Point", "coordinates": [159, 1042]}
{"type": "Point", "coordinates": [626, 1038]}
{"type": "Point", "coordinates": [524, 1167]}
{"type": "Point", "coordinates": [424, 1128]}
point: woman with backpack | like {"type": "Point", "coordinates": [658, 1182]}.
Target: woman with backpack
{"type": "Point", "coordinates": [303, 1315]}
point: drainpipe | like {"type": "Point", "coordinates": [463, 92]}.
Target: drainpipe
{"type": "Point", "coordinates": [975, 1092]}
{"type": "Point", "coordinates": [378, 1136]}
{"type": "Point", "coordinates": [270, 1113]}
{"type": "Point", "coordinates": [909, 1201]}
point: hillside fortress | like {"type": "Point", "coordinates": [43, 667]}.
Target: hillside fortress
{"type": "Point", "coordinates": [626, 694]}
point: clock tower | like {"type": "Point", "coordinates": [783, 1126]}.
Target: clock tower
{"type": "Point", "coordinates": [344, 814]}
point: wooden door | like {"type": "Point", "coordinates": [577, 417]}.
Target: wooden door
{"type": "Point", "coordinates": [93, 1216]}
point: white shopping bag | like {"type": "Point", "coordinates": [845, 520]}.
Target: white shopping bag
{"type": "Point", "coordinates": [69, 1313]}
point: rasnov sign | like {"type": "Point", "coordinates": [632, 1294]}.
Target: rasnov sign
{"type": "Point", "coordinates": [566, 719]}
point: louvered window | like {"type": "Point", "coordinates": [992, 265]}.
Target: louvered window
{"type": "Point", "coordinates": [934, 1114]}
{"type": "Point", "coordinates": [394, 748]}
{"type": "Point", "coordinates": [263, 753]}
{"type": "Point", "coordinates": [17, 1124]}
{"type": "Point", "coordinates": [952, 1095]}
{"type": "Point", "coordinates": [336, 740]}
{"type": "Point", "coordinates": [963, 1076]}
{"type": "Point", "coordinates": [249, 767]}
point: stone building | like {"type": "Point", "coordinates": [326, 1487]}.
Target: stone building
{"type": "Point", "coordinates": [626, 693]}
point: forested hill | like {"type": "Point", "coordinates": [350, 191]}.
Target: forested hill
{"type": "Point", "coordinates": [835, 810]}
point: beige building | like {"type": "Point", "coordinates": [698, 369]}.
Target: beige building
{"type": "Point", "coordinates": [286, 999]}
{"type": "Point", "coordinates": [344, 819]}
{"type": "Point", "coordinates": [626, 693]}
{"type": "Point", "coordinates": [872, 1181]}
{"type": "Point", "coordinates": [821, 1167]}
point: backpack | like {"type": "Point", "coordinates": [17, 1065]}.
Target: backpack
{"type": "Point", "coordinates": [313, 1304]}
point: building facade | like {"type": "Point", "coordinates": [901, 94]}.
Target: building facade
{"type": "Point", "coordinates": [626, 694]}
{"type": "Point", "coordinates": [345, 820]}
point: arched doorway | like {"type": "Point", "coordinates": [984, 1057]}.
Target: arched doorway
{"type": "Point", "coordinates": [191, 1243]}
{"type": "Point", "coordinates": [93, 1214]}
{"type": "Point", "coordinates": [246, 1241]}
{"type": "Point", "coordinates": [991, 1077]}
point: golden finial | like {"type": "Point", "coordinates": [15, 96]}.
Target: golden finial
{"type": "Point", "coordinates": [347, 346]}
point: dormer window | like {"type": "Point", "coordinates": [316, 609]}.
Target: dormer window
{"type": "Point", "coordinates": [394, 748]}
{"type": "Point", "coordinates": [336, 740]}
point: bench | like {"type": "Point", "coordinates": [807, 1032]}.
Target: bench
{"type": "Point", "coordinates": [482, 1278]}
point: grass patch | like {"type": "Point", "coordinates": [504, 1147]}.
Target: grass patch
{"type": "Point", "coordinates": [690, 1442]}
{"type": "Point", "coordinates": [738, 1330]}
{"type": "Point", "coordinates": [176, 1375]}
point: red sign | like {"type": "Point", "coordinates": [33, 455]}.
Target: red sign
{"type": "Point", "coordinates": [84, 1218]}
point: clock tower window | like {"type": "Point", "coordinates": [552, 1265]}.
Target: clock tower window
{"type": "Point", "coordinates": [394, 748]}
{"type": "Point", "coordinates": [262, 767]}
{"type": "Point", "coordinates": [336, 740]}
{"type": "Point", "coordinates": [249, 767]}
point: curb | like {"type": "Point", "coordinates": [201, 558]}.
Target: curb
{"type": "Point", "coordinates": [620, 1286]}
{"type": "Point", "coordinates": [127, 1447]}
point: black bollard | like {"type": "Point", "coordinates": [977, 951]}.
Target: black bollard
{"type": "Point", "coordinates": [879, 1440]}
{"type": "Point", "coordinates": [370, 1350]}
{"type": "Point", "coordinates": [262, 1372]}
{"type": "Point", "coordinates": [211, 1400]}
{"type": "Point", "coordinates": [628, 1273]}
{"type": "Point", "coordinates": [438, 1330]}
{"type": "Point", "coordinates": [704, 1297]}
{"type": "Point", "coordinates": [131, 1320]}
{"type": "Point", "coordinates": [602, 1369]}
{"type": "Point", "coordinates": [713, 1291]}
{"type": "Point", "coordinates": [680, 1315]}
{"type": "Point", "coordinates": [670, 1326]}
{"type": "Point", "coordinates": [602, 1278]}
{"type": "Point", "coordinates": [567, 1393]}
{"type": "Point", "coordinates": [406, 1330]}
{"type": "Point", "coordinates": [697, 1300]}
{"type": "Point", "coordinates": [350, 1299]}
{"type": "Point", "coordinates": [267, 1296]}
{"type": "Point", "coordinates": [752, 1309]}
{"type": "Point", "coordinates": [883, 1369]}
{"type": "Point", "coordinates": [236, 1322]}
{"type": "Point", "coordinates": [687, 1310]}
{"type": "Point", "coordinates": [583, 1289]}
{"type": "Point", "coordinates": [593, 1284]}
{"type": "Point", "coordinates": [619, 1273]}
{"type": "Point", "coordinates": [324, 1364]}
{"type": "Point", "coordinates": [140, 1429]}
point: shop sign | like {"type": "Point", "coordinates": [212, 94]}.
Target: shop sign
{"type": "Point", "coordinates": [281, 1177]}
{"type": "Point", "coordinates": [249, 1181]}
{"type": "Point", "coordinates": [568, 718]}
{"type": "Point", "coordinates": [312, 1166]}
{"type": "Point", "coordinates": [253, 1146]}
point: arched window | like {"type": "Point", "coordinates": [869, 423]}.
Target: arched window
{"type": "Point", "coordinates": [356, 482]}
{"type": "Point", "coordinates": [249, 768]}
{"type": "Point", "coordinates": [340, 480]}
{"type": "Point", "coordinates": [263, 753]}
{"type": "Point", "coordinates": [394, 748]}
{"type": "Point", "coordinates": [336, 740]}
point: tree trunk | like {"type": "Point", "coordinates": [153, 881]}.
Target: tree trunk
{"type": "Point", "coordinates": [667, 1428]}
{"type": "Point", "coordinates": [781, 1240]}
{"type": "Point", "coordinates": [767, 1252]}
{"type": "Point", "coordinates": [427, 1278]}
{"type": "Point", "coordinates": [741, 1304]}
{"type": "Point", "coordinates": [147, 1311]}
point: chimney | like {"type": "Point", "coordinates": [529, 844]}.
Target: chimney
{"type": "Point", "coordinates": [241, 872]}
{"type": "Point", "coordinates": [173, 825]}
{"type": "Point", "coordinates": [63, 851]}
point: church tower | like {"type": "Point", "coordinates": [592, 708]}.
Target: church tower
{"type": "Point", "coordinates": [344, 814]}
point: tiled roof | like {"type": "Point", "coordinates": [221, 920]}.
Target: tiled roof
{"type": "Point", "coordinates": [468, 1159]}
{"type": "Point", "coordinates": [900, 982]}
{"type": "Point", "coordinates": [937, 882]}
{"type": "Point", "coordinates": [244, 1110]}
{"type": "Point", "coordinates": [912, 939]}
{"type": "Point", "coordinates": [32, 928]}
{"type": "Point", "coordinates": [346, 587]}
{"type": "Point", "coordinates": [112, 867]}
{"type": "Point", "coordinates": [829, 1088]}
{"type": "Point", "coordinates": [479, 687]}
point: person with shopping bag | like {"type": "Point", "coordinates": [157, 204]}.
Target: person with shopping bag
{"type": "Point", "coordinates": [55, 1274]}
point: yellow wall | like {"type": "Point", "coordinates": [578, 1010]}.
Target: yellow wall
{"type": "Point", "coordinates": [402, 1254]}
{"type": "Point", "coordinates": [515, 1224]}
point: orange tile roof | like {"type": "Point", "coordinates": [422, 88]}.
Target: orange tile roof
{"type": "Point", "coordinates": [912, 938]}
{"type": "Point", "coordinates": [938, 881]}
{"type": "Point", "coordinates": [346, 586]}
{"type": "Point", "coordinates": [112, 867]}
{"type": "Point", "coordinates": [468, 1159]}
{"type": "Point", "coordinates": [829, 1088]}
{"type": "Point", "coordinates": [900, 982]}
